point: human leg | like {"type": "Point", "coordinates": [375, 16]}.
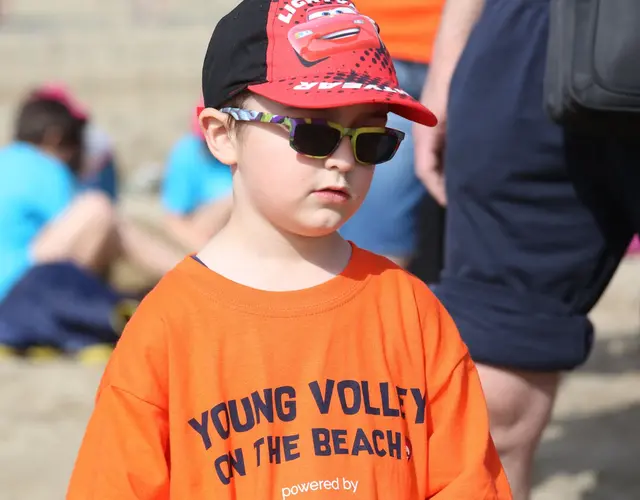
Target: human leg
{"type": "Point", "coordinates": [520, 405]}
{"type": "Point", "coordinates": [84, 234]}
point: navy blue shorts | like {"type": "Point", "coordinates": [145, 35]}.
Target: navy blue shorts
{"type": "Point", "coordinates": [537, 219]}
{"type": "Point", "coordinates": [59, 305]}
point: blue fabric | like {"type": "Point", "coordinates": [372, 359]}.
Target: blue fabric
{"type": "Point", "coordinates": [194, 177]}
{"type": "Point", "coordinates": [34, 189]}
{"type": "Point", "coordinates": [537, 218]}
{"type": "Point", "coordinates": [105, 180]}
{"type": "Point", "coordinates": [58, 305]}
{"type": "Point", "coordinates": [99, 162]}
{"type": "Point", "coordinates": [388, 221]}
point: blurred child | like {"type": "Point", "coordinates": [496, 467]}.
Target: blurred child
{"type": "Point", "coordinates": [99, 173]}
{"type": "Point", "coordinates": [54, 241]}
{"type": "Point", "coordinates": [282, 359]}
{"type": "Point", "coordinates": [196, 193]}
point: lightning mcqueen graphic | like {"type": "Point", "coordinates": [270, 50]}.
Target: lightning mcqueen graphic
{"type": "Point", "coordinates": [330, 30]}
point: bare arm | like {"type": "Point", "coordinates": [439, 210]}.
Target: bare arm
{"type": "Point", "coordinates": [458, 19]}
{"type": "Point", "coordinates": [194, 231]}
{"type": "Point", "coordinates": [181, 230]}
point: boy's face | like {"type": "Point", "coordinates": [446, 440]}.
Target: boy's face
{"type": "Point", "coordinates": [301, 195]}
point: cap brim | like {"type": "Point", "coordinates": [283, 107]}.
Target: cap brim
{"type": "Point", "coordinates": [315, 98]}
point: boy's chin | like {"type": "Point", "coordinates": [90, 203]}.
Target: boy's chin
{"type": "Point", "coordinates": [319, 229]}
{"type": "Point", "coordinates": [313, 224]}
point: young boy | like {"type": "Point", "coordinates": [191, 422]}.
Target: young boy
{"type": "Point", "coordinates": [283, 361]}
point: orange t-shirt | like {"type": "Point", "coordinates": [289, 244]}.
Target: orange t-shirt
{"type": "Point", "coordinates": [408, 27]}
{"type": "Point", "coordinates": [356, 388]}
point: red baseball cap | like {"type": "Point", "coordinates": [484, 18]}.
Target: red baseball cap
{"type": "Point", "coordinates": [304, 54]}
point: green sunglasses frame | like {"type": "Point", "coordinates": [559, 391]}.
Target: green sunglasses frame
{"type": "Point", "coordinates": [247, 115]}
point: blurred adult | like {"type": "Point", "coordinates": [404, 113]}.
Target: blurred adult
{"type": "Point", "coordinates": [538, 216]}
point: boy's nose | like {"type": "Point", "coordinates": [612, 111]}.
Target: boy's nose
{"type": "Point", "coordinates": [342, 159]}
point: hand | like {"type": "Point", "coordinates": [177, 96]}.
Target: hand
{"type": "Point", "coordinates": [429, 143]}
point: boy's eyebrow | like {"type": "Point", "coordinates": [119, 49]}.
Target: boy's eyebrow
{"type": "Point", "coordinates": [365, 115]}
{"type": "Point", "coordinates": [379, 113]}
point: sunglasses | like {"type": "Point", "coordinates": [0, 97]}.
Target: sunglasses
{"type": "Point", "coordinates": [319, 138]}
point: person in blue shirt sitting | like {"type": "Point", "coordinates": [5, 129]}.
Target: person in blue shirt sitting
{"type": "Point", "coordinates": [196, 191]}
{"type": "Point", "coordinates": [54, 241]}
{"type": "Point", "coordinates": [99, 173]}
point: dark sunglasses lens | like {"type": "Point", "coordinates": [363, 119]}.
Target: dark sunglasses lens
{"type": "Point", "coordinates": [374, 148]}
{"type": "Point", "coordinates": [315, 139]}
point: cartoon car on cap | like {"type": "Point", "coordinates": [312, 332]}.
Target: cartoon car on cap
{"type": "Point", "coordinates": [330, 30]}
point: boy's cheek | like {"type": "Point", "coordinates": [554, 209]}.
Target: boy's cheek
{"type": "Point", "coordinates": [365, 177]}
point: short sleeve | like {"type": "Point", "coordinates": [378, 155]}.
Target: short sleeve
{"type": "Point", "coordinates": [125, 451]}
{"type": "Point", "coordinates": [463, 461]}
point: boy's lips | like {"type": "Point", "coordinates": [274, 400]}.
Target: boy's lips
{"type": "Point", "coordinates": [334, 193]}
{"type": "Point", "coordinates": [336, 189]}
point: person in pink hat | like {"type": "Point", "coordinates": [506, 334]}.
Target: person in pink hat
{"type": "Point", "coordinates": [56, 240]}
{"type": "Point", "coordinates": [99, 170]}
{"type": "Point", "coordinates": [61, 232]}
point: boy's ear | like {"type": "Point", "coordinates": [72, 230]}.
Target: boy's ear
{"type": "Point", "coordinates": [221, 143]}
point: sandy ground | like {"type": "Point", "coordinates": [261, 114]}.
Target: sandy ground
{"type": "Point", "coordinates": [590, 451]}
